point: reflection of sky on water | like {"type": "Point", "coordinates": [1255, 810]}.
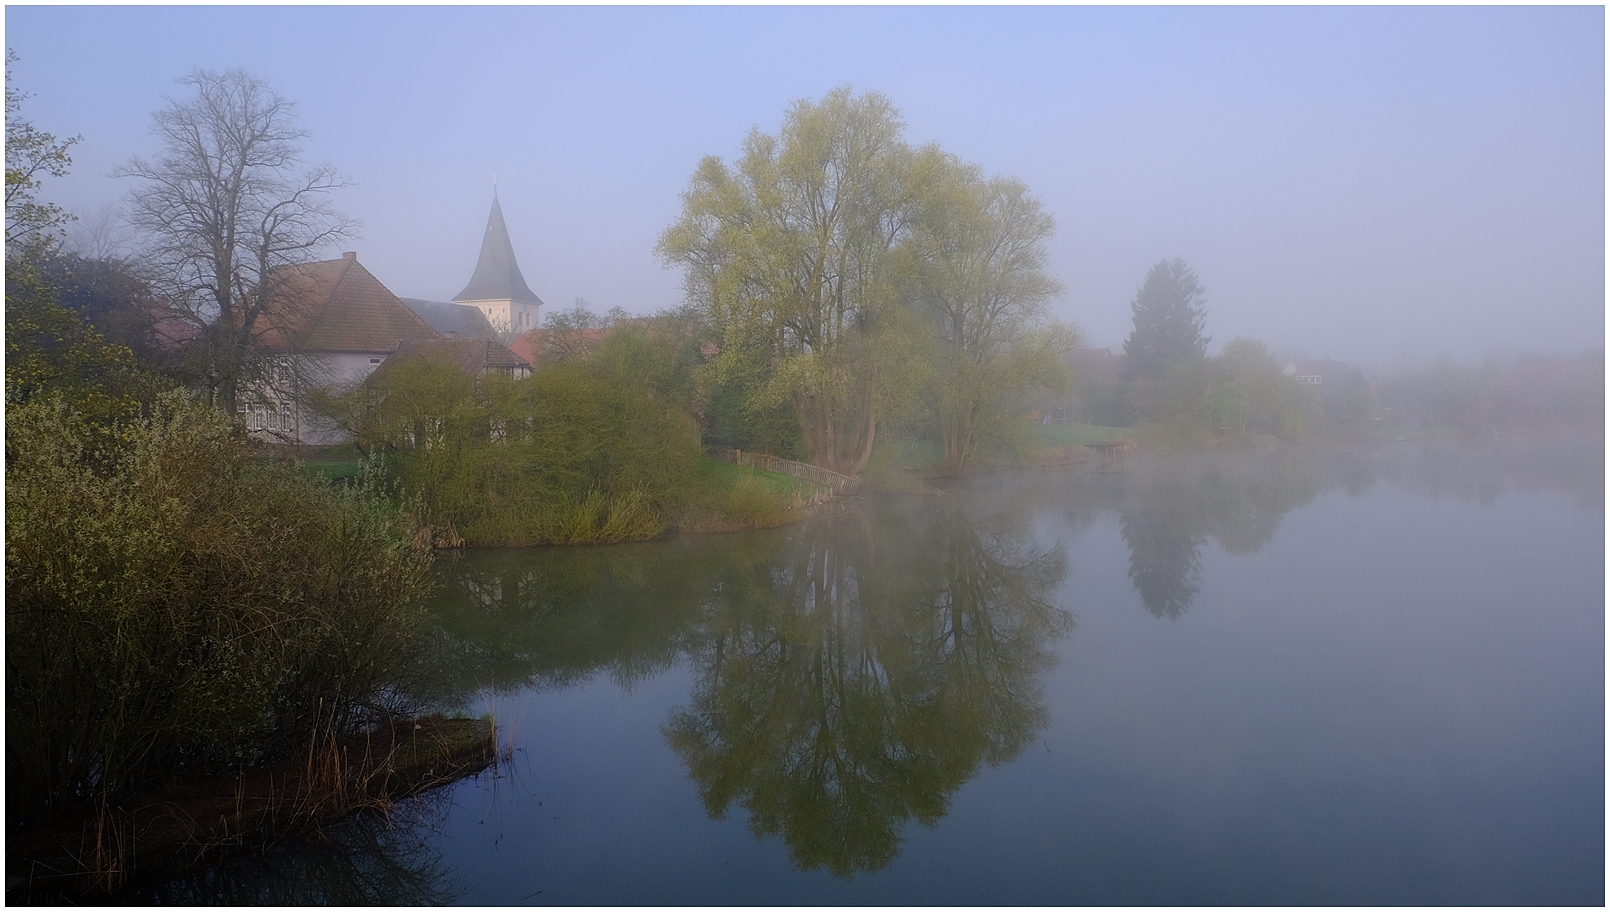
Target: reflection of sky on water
{"type": "Point", "coordinates": [1396, 700]}
{"type": "Point", "coordinates": [1385, 686]}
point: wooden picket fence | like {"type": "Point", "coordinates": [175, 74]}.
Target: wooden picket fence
{"type": "Point", "coordinates": [839, 485]}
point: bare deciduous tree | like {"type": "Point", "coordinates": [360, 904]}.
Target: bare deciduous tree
{"type": "Point", "coordinates": [224, 208]}
{"type": "Point", "coordinates": [101, 235]}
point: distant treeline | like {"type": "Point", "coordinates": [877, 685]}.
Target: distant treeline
{"type": "Point", "coordinates": [1525, 392]}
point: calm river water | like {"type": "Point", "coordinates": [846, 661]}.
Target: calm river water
{"type": "Point", "coordinates": [1361, 676]}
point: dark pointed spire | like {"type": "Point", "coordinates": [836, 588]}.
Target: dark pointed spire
{"type": "Point", "coordinates": [497, 276]}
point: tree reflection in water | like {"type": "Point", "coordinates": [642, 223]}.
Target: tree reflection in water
{"type": "Point", "coordinates": [852, 672]}
{"type": "Point", "coordinates": [552, 618]}
{"type": "Point", "coordinates": [1168, 509]}
{"type": "Point", "coordinates": [1163, 561]}
{"type": "Point", "coordinates": [864, 680]}
{"type": "Point", "coordinates": [365, 859]}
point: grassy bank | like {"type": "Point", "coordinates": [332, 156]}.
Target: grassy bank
{"type": "Point", "coordinates": [715, 496]}
{"type": "Point", "coordinates": [722, 497]}
{"type": "Point", "coordinates": [332, 463]}
{"type": "Point", "coordinates": [900, 464]}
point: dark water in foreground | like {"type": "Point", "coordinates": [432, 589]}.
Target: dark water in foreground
{"type": "Point", "coordinates": [1371, 676]}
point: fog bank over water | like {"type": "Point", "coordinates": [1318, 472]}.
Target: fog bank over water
{"type": "Point", "coordinates": [1382, 186]}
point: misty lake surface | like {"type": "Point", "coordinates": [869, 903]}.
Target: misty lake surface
{"type": "Point", "coordinates": [1369, 675]}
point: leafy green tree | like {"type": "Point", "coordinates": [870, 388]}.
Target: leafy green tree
{"type": "Point", "coordinates": [52, 352]}
{"type": "Point", "coordinates": [31, 155]}
{"type": "Point", "coordinates": [1245, 383]}
{"type": "Point", "coordinates": [1173, 402]}
{"type": "Point", "coordinates": [737, 411]}
{"type": "Point", "coordinates": [984, 284]}
{"type": "Point", "coordinates": [797, 253]}
{"type": "Point", "coordinates": [662, 352]}
{"type": "Point", "coordinates": [224, 208]}
{"type": "Point", "coordinates": [1169, 312]}
{"type": "Point", "coordinates": [113, 295]}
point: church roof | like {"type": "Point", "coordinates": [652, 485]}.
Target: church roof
{"type": "Point", "coordinates": [337, 305]}
{"type": "Point", "coordinates": [497, 276]}
{"type": "Point", "coordinates": [444, 317]}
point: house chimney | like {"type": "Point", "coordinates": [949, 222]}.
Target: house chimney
{"type": "Point", "coordinates": [350, 255]}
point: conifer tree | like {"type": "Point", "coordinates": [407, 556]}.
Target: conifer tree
{"type": "Point", "coordinates": [1169, 312]}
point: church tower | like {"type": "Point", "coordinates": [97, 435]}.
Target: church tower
{"type": "Point", "coordinates": [497, 288]}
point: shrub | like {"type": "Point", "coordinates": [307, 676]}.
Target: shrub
{"type": "Point", "coordinates": [175, 609]}
{"type": "Point", "coordinates": [576, 454]}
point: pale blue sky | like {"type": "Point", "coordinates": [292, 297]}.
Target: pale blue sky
{"type": "Point", "coordinates": [1369, 184]}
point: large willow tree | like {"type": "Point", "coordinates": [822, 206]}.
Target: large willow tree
{"type": "Point", "coordinates": [798, 251]}
{"type": "Point", "coordinates": [984, 285]}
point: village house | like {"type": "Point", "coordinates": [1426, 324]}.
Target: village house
{"type": "Point", "coordinates": [1330, 376]}
{"type": "Point", "coordinates": [339, 324]}
{"type": "Point", "coordinates": [1343, 393]}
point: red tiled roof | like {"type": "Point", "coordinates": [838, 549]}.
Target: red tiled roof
{"type": "Point", "coordinates": [527, 344]}
{"type": "Point", "coordinates": [337, 305]}
{"type": "Point", "coordinates": [532, 343]}
{"type": "Point", "coordinates": [169, 332]}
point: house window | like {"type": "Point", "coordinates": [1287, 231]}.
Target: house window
{"type": "Point", "coordinates": [428, 433]}
{"type": "Point", "coordinates": [374, 360]}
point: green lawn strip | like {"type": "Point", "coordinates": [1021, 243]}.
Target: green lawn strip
{"type": "Point", "coordinates": [724, 476]}
{"type": "Point", "coordinates": [1082, 434]}
{"type": "Point", "coordinates": [332, 463]}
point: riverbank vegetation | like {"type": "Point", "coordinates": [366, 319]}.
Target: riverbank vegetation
{"type": "Point", "coordinates": [179, 613]}
{"type": "Point", "coordinates": [177, 610]}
